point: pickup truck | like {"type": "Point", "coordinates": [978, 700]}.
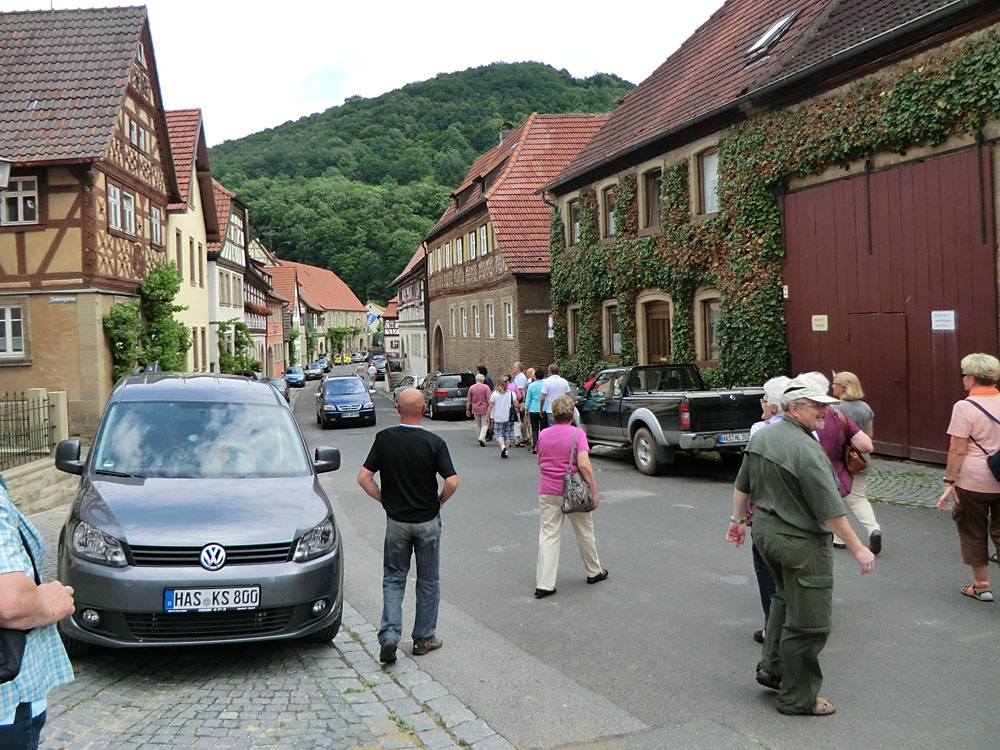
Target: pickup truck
{"type": "Point", "coordinates": [660, 409]}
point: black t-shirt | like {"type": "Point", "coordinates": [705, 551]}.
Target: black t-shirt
{"type": "Point", "coordinates": [409, 460]}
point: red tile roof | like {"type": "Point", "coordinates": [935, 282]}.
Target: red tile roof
{"type": "Point", "coordinates": [392, 310]}
{"type": "Point", "coordinates": [223, 201]}
{"type": "Point", "coordinates": [707, 71]}
{"type": "Point", "coordinates": [184, 126]}
{"type": "Point", "coordinates": [418, 257]}
{"type": "Point", "coordinates": [537, 151]}
{"type": "Point", "coordinates": [710, 70]}
{"type": "Point", "coordinates": [323, 289]}
{"type": "Point", "coordinates": [284, 280]}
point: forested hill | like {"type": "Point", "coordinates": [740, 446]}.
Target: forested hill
{"type": "Point", "coordinates": [355, 188]}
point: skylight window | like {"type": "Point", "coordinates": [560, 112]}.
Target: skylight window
{"type": "Point", "coordinates": [763, 45]}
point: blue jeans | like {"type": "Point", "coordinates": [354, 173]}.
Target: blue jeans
{"type": "Point", "coordinates": [423, 540]}
{"type": "Point", "coordinates": [24, 732]}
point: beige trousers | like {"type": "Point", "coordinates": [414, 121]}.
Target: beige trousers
{"type": "Point", "coordinates": [857, 501]}
{"type": "Point", "coordinates": [550, 536]}
{"type": "Point", "coordinates": [482, 425]}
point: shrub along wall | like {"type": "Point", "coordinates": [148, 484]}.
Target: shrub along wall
{"type": "Point", "coordinates": [739, 249]}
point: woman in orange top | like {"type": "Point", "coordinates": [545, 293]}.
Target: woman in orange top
{"type": "Point", "coordinates": [968, 481]}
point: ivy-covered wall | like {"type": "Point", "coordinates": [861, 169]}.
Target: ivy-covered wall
{"type": "Point", "coordinates": [739, 250]}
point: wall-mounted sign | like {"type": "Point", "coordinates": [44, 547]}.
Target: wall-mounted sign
{"type": "Point", "coordinates": [551, 326]}
{"type": "Point", "coordinates": [540, 311]}
{"type": "Point", "coordinates": [942, 320]}
{"type": "Point", "coordinates": [820, 323]}
{"type": "Point", "coordinates": [784, 291]}
{"type": "Point", "coordinates": [68, 299]}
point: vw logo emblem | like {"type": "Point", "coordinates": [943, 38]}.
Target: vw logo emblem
{"type": "Point", "coordinates": [213, 556]}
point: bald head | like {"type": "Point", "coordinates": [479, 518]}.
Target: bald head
{"type": "Point", "coordinates": [410, 405]}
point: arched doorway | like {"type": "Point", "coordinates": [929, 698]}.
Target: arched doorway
{"type": "Point", "coordinates": [437, 356]}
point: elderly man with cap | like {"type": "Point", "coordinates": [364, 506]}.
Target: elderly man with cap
{"type": "Point", "coordinates": [790, 479]}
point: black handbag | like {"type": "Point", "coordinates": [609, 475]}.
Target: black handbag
{"type": "Point", "coordinates": [992, 459]}
{"type": "Point", "coordinates": [12, 642]}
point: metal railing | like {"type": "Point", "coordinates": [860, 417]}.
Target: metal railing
{"type": "Point", "coordinates": [26, 428]}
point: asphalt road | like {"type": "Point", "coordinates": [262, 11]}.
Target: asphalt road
{"type": "Point", "coordinates": [661, 654]}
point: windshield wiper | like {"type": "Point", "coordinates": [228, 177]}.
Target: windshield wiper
{"type": "Point", "coordinates": [111, 473]}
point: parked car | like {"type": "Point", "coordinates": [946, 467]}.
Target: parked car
{"type": "Point", "coordinates": [444, 393]}
{"type": "Point", "coordinates": [344, 399]}
{"type": "Point", "coordinates": [295, 376]}
{"type": "Point", "coordinates": [281, 385]}
{"type": "Point", "coordinates": [409, 381]}
{"type": "Point", "coordinates": [199, 519]}
{"type": "Point", "coordinates": [660, 409]}
{"type": "Point", "coordinates": [379, 361]}
{"type": "Point", "coordinates": [252, 374]}
{"type": "Point", "coordinates": [338, 359]}
{"type": "Point", "coordinates": [357, 357]}
{"type": "Point", "coordinates": [314, 371]}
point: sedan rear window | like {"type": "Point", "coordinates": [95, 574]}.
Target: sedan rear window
{"type": "Point", "coordinates": [200, 440]}
{"type": "Point", "coordinates": [456, 381]}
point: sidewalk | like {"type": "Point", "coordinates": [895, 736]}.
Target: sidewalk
{"type": "Point", "coordinates": [904, 482]}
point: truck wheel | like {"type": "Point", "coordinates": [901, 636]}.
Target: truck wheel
{"type": "Point", "coordinates": [644, 453]}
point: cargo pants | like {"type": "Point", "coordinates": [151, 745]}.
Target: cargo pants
{"type": "Point", "coordinates": [799, 624]}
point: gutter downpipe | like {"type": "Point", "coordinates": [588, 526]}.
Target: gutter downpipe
{"type": "Point", "coordinates": [816, 68]}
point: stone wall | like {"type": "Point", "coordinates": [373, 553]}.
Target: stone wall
{"type": "Point", "coordinates": [40, 486]}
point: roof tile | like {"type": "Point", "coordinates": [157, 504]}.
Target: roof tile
{"type": "Point", "coordinates": [184, 126]}
{"type": "Point", "coordinates": [322, 288]}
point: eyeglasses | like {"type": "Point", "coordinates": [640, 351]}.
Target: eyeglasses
{"type": "Point", "coordinates": [813, 404]}
{"type": "Point", "coordinates": [966, 375]}
{"type": "Point", "coordinates": [763, 401]}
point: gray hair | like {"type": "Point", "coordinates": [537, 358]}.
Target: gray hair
{"type": "Point", "coordinates": [773, 391]}
{"type": "Point", "coordinates": [480, 378]}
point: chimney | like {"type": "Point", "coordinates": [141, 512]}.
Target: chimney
{"type": "Point", "coordinates": [505, 130]}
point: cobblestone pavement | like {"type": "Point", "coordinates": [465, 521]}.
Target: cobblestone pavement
{"type": "Point", "coordinates": [904, 482]}
{"type": "Point", "coordinates": [275, 695]}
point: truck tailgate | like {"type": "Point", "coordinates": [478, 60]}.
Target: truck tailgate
{"type": "Point", "coordinates": [724, 410]}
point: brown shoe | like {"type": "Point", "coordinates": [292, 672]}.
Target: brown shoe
{"type": "Point", "coordinates": [422, 646]}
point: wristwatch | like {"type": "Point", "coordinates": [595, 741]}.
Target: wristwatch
{"type": "Point", "coordinates": [740, 521]}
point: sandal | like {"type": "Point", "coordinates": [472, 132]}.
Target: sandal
{"type": "Point", "coordinates": [982, 593]}
{"type": "Point", "coordinates": [823, 707]}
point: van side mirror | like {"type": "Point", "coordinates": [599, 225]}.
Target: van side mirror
{"type": "Point", "coordinates": [327, 459]}
{"type": "Point", "coordinates": [68, 457]}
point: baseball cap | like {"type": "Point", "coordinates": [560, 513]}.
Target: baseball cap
{"type": "Point", "coordinates": [800, 388]}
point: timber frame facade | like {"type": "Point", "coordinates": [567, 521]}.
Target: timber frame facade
{"type": "Point", "coordinates": [84, 217]}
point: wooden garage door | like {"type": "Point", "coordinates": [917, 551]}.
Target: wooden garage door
{"type": "Point", "coordinates": [870, 262]}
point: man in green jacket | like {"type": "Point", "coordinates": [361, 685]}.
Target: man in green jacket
{"type": "Point", "coordinates": [788, 476]}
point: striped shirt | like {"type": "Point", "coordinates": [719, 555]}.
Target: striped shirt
{"type": "Point", "coordinates": [45, 664]}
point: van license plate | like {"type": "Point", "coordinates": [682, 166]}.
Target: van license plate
{"type": "Point", "coordinates": [733, 437]}
{"type": "Point", "coordinates": [211, 600]}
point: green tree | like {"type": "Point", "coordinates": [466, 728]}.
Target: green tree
{"type": "Point", "coordinates": [241, 357]}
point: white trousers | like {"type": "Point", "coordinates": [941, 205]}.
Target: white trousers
{"type": "Point", "coordinates": [857, 501]}
{"type": "Point", "coordinates": [482, 425]}
{"type": "Point", "coordinates": [550, 536]}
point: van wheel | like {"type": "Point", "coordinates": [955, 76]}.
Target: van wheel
{"type": "Point", "coordinates": [644, 453]}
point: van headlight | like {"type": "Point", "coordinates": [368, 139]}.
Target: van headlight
{"type": "Point", "coordinates": [316, 542]}
{"type": "Point", "coordinates": [96, 546]}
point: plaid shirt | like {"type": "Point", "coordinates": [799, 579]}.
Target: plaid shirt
{"type": "Point", "coordinates": [45, 664]}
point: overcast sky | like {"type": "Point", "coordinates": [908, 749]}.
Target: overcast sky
{"type": "Point", "coordinates": [254, 64]}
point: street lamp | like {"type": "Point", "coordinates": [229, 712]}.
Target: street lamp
{"type": "Point", "coordinates": [4, 172]}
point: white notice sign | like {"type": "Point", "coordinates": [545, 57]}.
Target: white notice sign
{"type": "Point", "coordinates": [942, 320]}
{"type": "Point", "coordinates": [820, 323]}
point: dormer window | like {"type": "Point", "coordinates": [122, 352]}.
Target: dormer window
{"type": "Point", "coordinates": [140, 54]}
{"type": "Point", "coordinates": [777, 30]}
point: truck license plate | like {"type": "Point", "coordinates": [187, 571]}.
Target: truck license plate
{"type": "Point", "coordinates": [211, 600]}
{"type": "Point", "coordinates": [733, 437]}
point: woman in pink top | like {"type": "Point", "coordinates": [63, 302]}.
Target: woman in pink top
{"type": "Point", "coordinates": [555, 444]}
{"type": "Point", "coordinates": [968, 481]}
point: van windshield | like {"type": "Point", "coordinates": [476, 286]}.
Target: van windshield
{"type": "Point", "coordinates": [200, 440]}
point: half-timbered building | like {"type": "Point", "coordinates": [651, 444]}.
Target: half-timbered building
{"type": "Point", "coordinates": [84, 216]}
{"type": "Point", "coordinates": [412, 311]}
{"type": "Point", "coordinates": [227, 266]}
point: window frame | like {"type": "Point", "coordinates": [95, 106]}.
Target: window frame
{"type": "Point", "coordinates": [191, 261]}
{"type": "Point", "coordinates": [22, 196]}
{"type": "Point", "coordinates": [458, 251]}
{"type": "Point", "coordinates": [475, 321]}
{"type": "Point", "coordinates": [703, 207]}
{"type": "Point", "coordinates": [608, 212]}
{"type": "Point", "coordinates": [490, 321]}
{"type": "Point", "coordinates": [128, 213]}
{"type": "Point", "coordinates": [179, 251]}
{"type": "Point", "coordinates": [573, 329]}
{"type": "Point", "coordinates": [609, 314]}
{"type": "Point", "coordinates": [465, 323]}
{"type": "Point", "coordinates": [573, 222]}
{"type": "Point", "coordinates": [704, 298]}
{"type": "Point", "coordinates": [472, 246]}
{"type": "Point", "coordinates": [201, 265]}
{"type": "Point", "coordinates": [483, 246]}
{"type": "Point", "coordinates": [451, 314]}
{"type": "Point", "coordinates": [156, 226]}
{"type": "Point", "coordinates": [651, 198]}
{"type": "Point", "coordinates": [6, 337]}
{"type": "Point", "coordinates": [114, 199]}
{"type": "Point", "coordinates": [508, 320]}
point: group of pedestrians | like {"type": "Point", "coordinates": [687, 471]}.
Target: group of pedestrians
{"type": "Point", "coordinates": [517, 408]}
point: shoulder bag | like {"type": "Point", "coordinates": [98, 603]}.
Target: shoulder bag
{"type": "Point", "coordinates": [853, 459]}
{"type": "Point", "coordinates": [992, 460]}
{"type": "Point", "coordinates": [576, 492]}
{"type": "Point", "coordinates": [12, 642]}
{"type": "Point", "coordinates": [512, 414]}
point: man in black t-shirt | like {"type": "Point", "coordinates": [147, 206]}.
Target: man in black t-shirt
{"type": "Point", "coordinates": [409, 460]}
